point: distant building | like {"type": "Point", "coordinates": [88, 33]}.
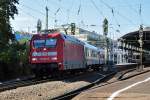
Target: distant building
{"type": "Point", "coordinates": [22, 37]}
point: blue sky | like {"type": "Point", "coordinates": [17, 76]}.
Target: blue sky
{"type": "Point", "coordinates": [84, 13]}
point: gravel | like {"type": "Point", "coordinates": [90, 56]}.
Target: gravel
{"type": "Point", "coordinates": [46, 90]}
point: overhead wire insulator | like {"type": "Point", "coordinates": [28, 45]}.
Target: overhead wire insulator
{"type": "Point", "coordinates": [140, 10]}
{"type": "Point", "coordinates": [57, 11]}
{"type": "Point", "coordinates": [112, 11]}
{"type": "Point", "coordinates": [79, 9]}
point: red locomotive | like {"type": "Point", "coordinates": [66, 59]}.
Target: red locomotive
{"type": "Point", "coordinates": [56, 52]}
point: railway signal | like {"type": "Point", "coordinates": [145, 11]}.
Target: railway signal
{"type": "Point", "coordinates": [39, 25]}
{"type": "Point", "coordinates": [105, 27]}
{"type": "Point", "coordinates": [73, 26]}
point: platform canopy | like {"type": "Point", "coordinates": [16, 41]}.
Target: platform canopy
{"type": "Point", "coordinates": [133, 37]}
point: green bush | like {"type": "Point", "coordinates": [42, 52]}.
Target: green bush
{"type": "Point", "coordinates": [14, 60]}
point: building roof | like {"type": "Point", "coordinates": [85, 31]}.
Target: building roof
{"type": "Point", "coordinates": [133, 37]}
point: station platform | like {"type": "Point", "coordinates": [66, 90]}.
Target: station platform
{"type": "Point", "coordinates": [134, 88]}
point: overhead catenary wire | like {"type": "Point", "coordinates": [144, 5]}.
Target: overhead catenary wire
{"type": "Point", "coordinates": [79, 9]}
{"type": "Point", "coordinates": [39, 12]}
{"type": "Point", "coordinates": [100, 12]}
{"type": "Point", "coordinates": [112, 11]}
{"type": "Point", "coordinates": [70, 10]}
{"type": "Point", "coordinates": [121, 15]}
{"type": "Point", "coordinates": [126, 18]}
{"type": "Point", "coordinates": [59, 9]}
{"type": "Point", "coordinates": [57, 5]}
{"type": "Point", "coordinates": [35, 10]}
{"type": "Point", "coordinates": [138, 11]}
{"type": "Point", "coordinates": [27, 13]}
{"type": "Point", "coordinates": [31, 16]}
{"type": "Point", "coordinates": [80, 14]}
{"type": "Point", "coordinates": [131, 7]}
{"type": "Point", "coordinates": [117, 12]}
{"type": "Point", "coordinates": [113, 15]}
{"type": "Point", "coordinates": [38, 3]}
{"type": "Point", "coordinates": [55, 14]}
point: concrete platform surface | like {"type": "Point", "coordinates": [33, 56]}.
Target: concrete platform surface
{"type": "Point", "coordinates": [135, 88]}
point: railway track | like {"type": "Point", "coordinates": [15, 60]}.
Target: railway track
{"type": "Point", "coordinates": [96, 84]}
{"type": "Point", "coordinates": [21, 83]}
{"type": "Point", "coordinates": [32, 81]}
{"type": "Point", "coordinates": [69, 95]}
{"type": "Point", "coordinates": [103, 77]}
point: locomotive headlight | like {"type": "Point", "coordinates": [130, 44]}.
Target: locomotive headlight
{"type": "Point", "coordinates": [54, 58]}
{"type": "Point", "coordinates": [59, 63]}
{"type": "Point", "coordinates": [34, 59]}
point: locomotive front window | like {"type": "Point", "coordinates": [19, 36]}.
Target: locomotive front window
{"type": "Point", "coordinates": [50, 42]}
{"type": "Point", "coordinates": [39, 43]}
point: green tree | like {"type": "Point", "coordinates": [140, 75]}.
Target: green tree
{"type": "Point", "coordinates": [7, 10]}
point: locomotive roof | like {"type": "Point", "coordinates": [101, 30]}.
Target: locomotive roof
{"type": "Point", "coordinates": [46, 34]}
{"type": "Point", "coordinates": [64, 36]}
{"type": "Point", "coordinates": [72, 39]}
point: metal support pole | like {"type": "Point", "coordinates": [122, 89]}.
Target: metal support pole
{"type": "Point", "coordinates": [46, 18]}
{"type": "Point", "coordinates": [105, 32]}
{"type": "Point", "coordinates": [113, 52]}
{"type": "Point", "coordinates": [141, 59]}
{"type": "Point", "coordinates": [141, 47]}
{"type": "Point", "coordinates": [106, 51]}
{"type": "Point", "coordinates": [122, 51]}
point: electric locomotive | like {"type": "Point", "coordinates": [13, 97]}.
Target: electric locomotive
{"type": "Point", "coordinates": [55, 53]}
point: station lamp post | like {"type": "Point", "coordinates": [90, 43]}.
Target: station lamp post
{"type": "Point", "coordinates": [141, 47]}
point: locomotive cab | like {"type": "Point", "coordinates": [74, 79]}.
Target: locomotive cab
{"type": "Point", "coordinates": [45, 53]}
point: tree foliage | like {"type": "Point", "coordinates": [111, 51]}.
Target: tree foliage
{"type": "Point", "coordinates": [14, 60]}
{"type": "Point", "coordinates": [7, 10]}
{"type": "Point", "coordinates": [13, 55]}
